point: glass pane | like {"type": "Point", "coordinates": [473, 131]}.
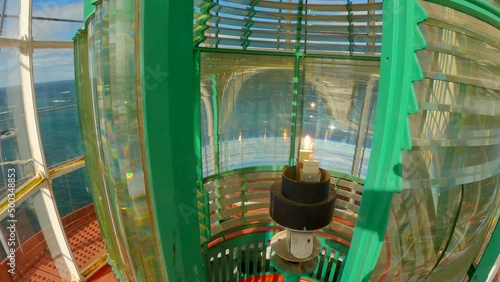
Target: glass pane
{"type": "Point", "coordinates": [54, 30]}
{"type": "Point", "coordinates": [56, 103]}
{"type": "Point", "coordinates": [56, 21]}
{"type": "Point", "coordinates": [478, 199]}
{"type": "Point", "coordinates": [247, 104]}
{"type": "Point", "coordinates": [37, 254]}
{"type": "Point", "coordinates": [339, 111]}
{"type": "Point", "coordinates": [9, 27]}
{"type": "Point", "coordinates": [71, 192]}
{"type": "Point", "coordinates": [14, 147]}
{"type": "Point", "coordinates": [98, 184]}
{"type": "Point", "coordinates": [78, 217]}
{"type": "Point", "coordinates": [246, 110]}
{"type": "Point", "coordinates": [365, 154]}
{"type": "Point", "coordinates": [418, 230]}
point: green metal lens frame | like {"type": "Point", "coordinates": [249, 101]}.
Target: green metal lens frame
{"type": "Point", "coordinates": [399, 67]}
{"type": "Point", "coordinates": [169, 111]}
{"type": "Point", "coordinates": [477, 8]}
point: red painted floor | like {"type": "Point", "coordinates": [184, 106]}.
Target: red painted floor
{"type": "Point", "coordinates": [104, 274]}
{"type": "Point", "coordinates": [35, 261]}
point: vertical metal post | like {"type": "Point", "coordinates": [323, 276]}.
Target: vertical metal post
{"type": "Point", "coordinates": [215, 109]}
{"type": "Point", "coordinates": [27, 85]}
{"type": "Point", "coordinates": [169, 113]}
{"type": "Point", "coordinates": [88, 9]}
{"type": "Point", "coordinates": [392, 134]}
{"type": "Point", "coordinates": [35, 141]}
{"type": "Point", "coordinates": [296, 98]}
{"type": "Point", "coordinates": [2, 16]}
{"type": "Point", "coordinates": [292, 278]}
{"type": "Point", "coordinates": [363, 127]}
{"type": "Point", "coordinates": [58, 247]}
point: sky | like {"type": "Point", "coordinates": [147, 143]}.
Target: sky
{"type": "Point", "coordinates": [48, 64]}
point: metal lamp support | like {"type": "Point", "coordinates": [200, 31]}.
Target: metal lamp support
{"type": "Point", "coordinates": [301, 207]}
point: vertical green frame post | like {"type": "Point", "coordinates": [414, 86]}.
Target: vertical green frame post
{"type": "Point", "coordinates": [489, 258]}
{"type": "Point", "coordinates": [88, 9]}
{"type": "Point", "coordinates": [169, 111]}
{"type": "Point", "coordinates": [399, 67]}
{"type": "Point", "coordinates": [479, 9]}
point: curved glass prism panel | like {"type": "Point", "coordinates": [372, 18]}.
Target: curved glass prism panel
{"type": "Point", "coordinates": [452, 174]}
{"type": "Point", "coordinates": [112, 43]}
{"type": "Point", "coordinates": [97, 185]}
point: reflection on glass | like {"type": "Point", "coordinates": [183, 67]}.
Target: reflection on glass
{"type": "Point", "coordinates": [37, 253]}
{"type": "Point", "coordinates": [339, 98]}
{"type": "Point", "coordinates": [246, 110]}
{"type": "Point", "coordinates": [14, 147]}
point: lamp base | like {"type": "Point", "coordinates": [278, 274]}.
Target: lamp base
{"type": "Point", "coordinates": [281, 245]}
{"type": "Point", "coordinates": [294, 268]}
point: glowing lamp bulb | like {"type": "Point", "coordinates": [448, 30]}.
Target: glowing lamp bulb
{"type": "Point", "coordinates": [306, 152]}
{"type": "Point", "coordinates": [309, 172]}
{"type": "Point", "coordinates": [307, 143]}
